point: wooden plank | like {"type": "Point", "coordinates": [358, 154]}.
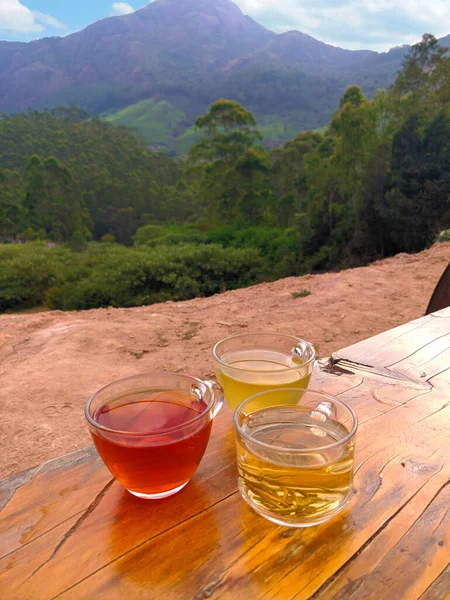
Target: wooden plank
{"type": "Point", "coordinates": [422, 535]}
{"type": "Point", "coordinates": [441, 380]}
{"type": "Point", "coordinates": [440, 588]}
{"type": "Point", "coordinates": [9, 486]}
{"type": "Point", "coordinates": [46, 541]}
{"type": "Point", "coordinates": [50, 496]}
{"type": "Point", "coordinates": [390, 348]}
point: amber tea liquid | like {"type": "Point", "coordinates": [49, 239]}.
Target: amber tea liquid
{"type": "Point", "coordinates": [165, 460]}
{"type": "Point", "coordinates": [260, 370]}
{"type": "Point", "coordinates": [299, 489]}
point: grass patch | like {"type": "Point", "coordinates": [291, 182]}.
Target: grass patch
{"type": "Point", "coordinates": [301, 294]}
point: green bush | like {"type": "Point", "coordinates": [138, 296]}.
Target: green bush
{"type": "Point", "coordinates": [78, 242]}
{"type": "Point", "coordinates": [278, 246]}
{"type": "Point", "coordinates": [27, 271]}
{"type": "Point", "coordinates": [107, 274]}
{"type": "Point", "coordinates": [302, 294]}
{"type": "Point", "coordinates": [108, 238]}
{"type": "Point", "coordinates": [136, 276]}
{"type": "Point", "coordinates": [155, 235]}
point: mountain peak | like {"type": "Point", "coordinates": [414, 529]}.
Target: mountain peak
{"type": "Point", "coordinates": [180, 4]}
{"type": "Point", "coordinates": [218, 23]}
{"type": "Point", "coordinates": [177, 7]}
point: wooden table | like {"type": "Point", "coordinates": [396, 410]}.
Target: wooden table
{"type": "Point", "coordinates": [67, 530]}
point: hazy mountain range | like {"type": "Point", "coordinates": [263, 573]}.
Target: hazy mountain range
{"type": "Point", "coordinates": [161, 66]}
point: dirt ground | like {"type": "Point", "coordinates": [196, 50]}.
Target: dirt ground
{"type": "Point", "coordinates": [50, 363]}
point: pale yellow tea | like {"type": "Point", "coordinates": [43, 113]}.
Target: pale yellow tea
{"type": "Point", "coordinates": [253, 370]}
{"type": "Point", "coordinates": [281, 483]}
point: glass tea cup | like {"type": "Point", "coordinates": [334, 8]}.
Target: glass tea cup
{"type": "Point", "coordinates": [152, 430]}
{"type": "Point", "coordinates": [250, 363]}
{"type": "Point", "coordinates": [295, 458]}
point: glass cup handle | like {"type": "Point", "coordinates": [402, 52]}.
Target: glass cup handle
{"type": "Point", "coordinates": [300, 349]}
{"type": "Point", "coordinates": [218, 396]}
{"type": "Point", "coordinates": [317, 358]}
{"type": "Point", "coordinates": [323, 411]}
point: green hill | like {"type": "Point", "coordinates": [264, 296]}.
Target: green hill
{"type": "Point", "coordinates": [157, 122]}
{"type": "Point", "coordinates": [169, 129]}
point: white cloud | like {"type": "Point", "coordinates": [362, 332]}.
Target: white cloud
{"type": "Point", "coordinates": [48, 20]}
{"type": "Point", "coordinates": [377, 24]}
{"type": "Point", "coordinates": [122, 8]}
{"type": "Point", "coordinates": [16, 17]}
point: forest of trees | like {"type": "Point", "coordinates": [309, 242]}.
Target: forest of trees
{"type": "Point", "coordinates": [375, 183]}
{"type": "Point", "coordinates": [232, 213]}
{"type": "Point", "coordinates": [63, 174]}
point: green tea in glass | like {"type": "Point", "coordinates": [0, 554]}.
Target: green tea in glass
{"type": "Point", "coordinates": [251, 363]}
{"type": "Point", "coordinates": [295, 459]}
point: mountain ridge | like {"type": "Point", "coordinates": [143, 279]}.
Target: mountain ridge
{"type": "Point", "coordinates": [189, 53]}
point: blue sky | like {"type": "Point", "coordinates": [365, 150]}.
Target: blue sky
{"type": "Point", "coordinates": [76, 14]}
{"type": "Point", "coordinates": [375, 24]}
{"type": "Point", "coordinates": [29, 19]}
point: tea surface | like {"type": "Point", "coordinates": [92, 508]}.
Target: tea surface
{"type": "Point", "coordinates": [144, 455]}
{"type": "Point", "coordinates": [251, 371]}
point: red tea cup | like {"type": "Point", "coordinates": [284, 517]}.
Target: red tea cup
{"type": "Point", "coordinates": [152, 430]}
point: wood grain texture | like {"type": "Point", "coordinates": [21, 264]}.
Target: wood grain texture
{"type": "Point", "coordinates": [68, 530]}
{"type": "Point", "coordinates": [392, 347]}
